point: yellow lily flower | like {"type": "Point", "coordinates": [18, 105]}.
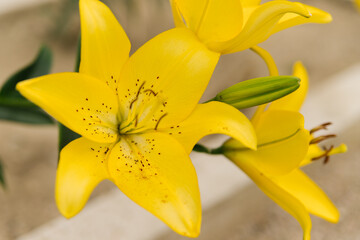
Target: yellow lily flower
{"type": "Point", "coordinates": [357, 3]}
{"type": "Point", "coordinates": [283, 147]}
{"type": "Point", "coordinates": [228, 26]}
{"type": "Point", "coordinates": [134, 114]}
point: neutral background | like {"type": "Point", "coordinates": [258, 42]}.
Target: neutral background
{"type": "Point", "coordinates": [332, 54]}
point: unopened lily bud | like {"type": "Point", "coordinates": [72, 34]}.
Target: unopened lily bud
{"type": "Point", "coordinates": [258, 91]}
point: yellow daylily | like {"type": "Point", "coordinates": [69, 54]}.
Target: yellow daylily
{"type": "Point", "coordinates": [283, 147]}
{"type": "Point", "coordinates": [138, 118]}
{"type": "Point", "coordinates": [229, 26]}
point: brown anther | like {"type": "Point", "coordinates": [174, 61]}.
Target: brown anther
{"type": "Point", "coordinates": [157, 124]}
{"type": "Point", "coordinates": [137, 95]}
{"type": "Point", "coordinates": [320, 127]}
{"type": "Point", "coordinates": [151, 92]}
{"type": "Point", "coordinates": [321, 138]}
{"type": "Point", "coordinates": [325, 155]}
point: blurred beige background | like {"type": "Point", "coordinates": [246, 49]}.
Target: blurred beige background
{"type": "Point", "coordinates": [29, 153]}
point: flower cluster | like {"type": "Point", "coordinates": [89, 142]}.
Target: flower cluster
{"type": "Point", "coordinates": [139, 117]}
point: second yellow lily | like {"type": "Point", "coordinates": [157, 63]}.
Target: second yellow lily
{"type": "Point", "coordinates": [228, 26]}
{"type": "Point", "coordinates": [283, 147]}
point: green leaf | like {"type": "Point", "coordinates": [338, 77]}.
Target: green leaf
{"type": "Point", "coordinates": [2, 178]}
{"type": "Point", "coordinates": [24, 115]}
{"type": "Point", "coordinates": [65, 134]}
{"type": "Point", "coordinates": [258, 91]}
{"type": "Point", "coordinates": [13, 106]}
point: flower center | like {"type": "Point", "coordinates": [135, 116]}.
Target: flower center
{"type": "Point", "coordinates": [144, 111]}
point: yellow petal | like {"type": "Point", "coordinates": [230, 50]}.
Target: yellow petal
{"type": "Point", "coordinates": [309, 194]}
{"type": "Point", "coordinates": [176, 15]}
{"type": "Point", "coordinates": [282, 143]}
{"type": "Point", "coordinates": [357, 2]}
{"type": "Point", "coordinates": [283, 198]}
{"type": "Point", "coordinates": [154, 171]}
{"type": "Point", "coordinates": [259, 25]}
{"type": "Point", "coordinates": [212, 20]}
{"type": "Point", "coordinates": [82, 167]}
{"type": "Point", "coordinates": [257, 115]}
{"type": "Point", "coordinates": [290, 20]}
{"type": "Point", "coordinates": [293, 101]}
{"type": "Point", "coordinates": [80, 102]}
{"type": "Point", "coordinates": [104, 44]}
{"type": "Point", "coordinates": [268, 59]}
{"type": "Point", "coordinates": [250, 3]}
{"type": "Point", "coordinates": [213, 118]}
{"type": "Point", "coordinates": [165, 79]}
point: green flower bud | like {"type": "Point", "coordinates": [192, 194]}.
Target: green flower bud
{"type": "Point", "coordinates": [258, 91]}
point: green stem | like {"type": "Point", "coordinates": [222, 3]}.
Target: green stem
{"type": "Point", "coordinates": [78, 56]}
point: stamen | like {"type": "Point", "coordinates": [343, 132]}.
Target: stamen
{"type": "Point", "coordinates": [326, 154]}
{"type": "Point", "coordinates": [321, 138]}
{"type": "Point", "coordinates": [151, 91]}
{"type": "Point", "coordinates": [157, 124]}
{"type": "Point", "coordinates": [136, 120]}
{"type": "Point", "coordinates": [322, 126]}
{"type": "Point", "coordinates": [137, 95]}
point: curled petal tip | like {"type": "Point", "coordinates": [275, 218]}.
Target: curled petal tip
{"type": "Point", "coordinates": [303, 11]}
{"type": "Point", "coordinates": [67, 213]}
{"type": "Point", "coordinates": [193, 232]}
{"type": "Point", "coordinates": [335, 218]}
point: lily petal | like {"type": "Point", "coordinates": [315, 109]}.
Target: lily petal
{"type": "Point", "coordinates": [176, 15]}
{"type": "Point", "coordinates": [220, 119]}
{"type": "Point", "coordinates": [268, 59]}
{"type": "Point", "coordinates": [104, 44]}
{"type": "Point", "coordinates": [259, 25]}
{"type": "Point", "coordinates": [80, 102]}
{"type": "Point", "coordinates": [250, 3]}
{"type": "Point", "coordinates": [282, 143]}
{"type": "Point", "coordinates": [154, 171]}
{"type": "Point", "coordinates": [168, 85]}
{"type": "Point", "coordinates": [212, 20]}
{"type": "Point", "coordinates": [82, 167]}
{"type": "Point", "coordinates": [283, 198]}
{"type": "Point", "coordinates": [290, 20]}
{"type": "Point", "coordinates": [294, 101]}
{"type": "Point", "coordinates": [308, 193]}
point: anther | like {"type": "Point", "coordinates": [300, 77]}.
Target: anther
{"type": "Point", "coordinates": [157, 124]}
{"type": "Point", "coordinates": [321, 138]}
{"type": "Point", "coordinates": [325, 154]}
{"type": "Point", "coordinates": [151, 91]}
{"type": "Point", "coordinates": [320, 127]}
{"type": "Point", "coordinates": [137, 95]}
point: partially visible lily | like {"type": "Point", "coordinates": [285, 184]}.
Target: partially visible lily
{"type": "Point", "coordinates": [283, 147]}
{"type": "Point", "coordinates": [138, 118]}
{"type": "Point", "coordinates": [357, 3]}
{"type": "Point", "coordinates": [228, 26]}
